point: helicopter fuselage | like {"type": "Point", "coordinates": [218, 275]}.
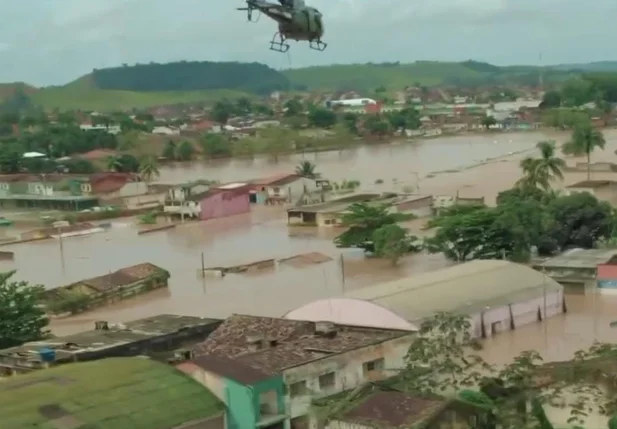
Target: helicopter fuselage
{"type": "Point", "coordinates": [298, 24]}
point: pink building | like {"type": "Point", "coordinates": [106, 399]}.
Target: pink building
{"type": "Point", "coordinates": [224, 201]}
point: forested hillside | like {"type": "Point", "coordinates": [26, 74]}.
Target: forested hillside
{"type": "Point", "coordinates": [428, 73]}
{"type": "Point", "coordinates": [191, 76]}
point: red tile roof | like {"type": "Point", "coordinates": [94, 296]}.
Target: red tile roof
{"type": "Point", "coordinates": [97, 154]}
{"type": "Point", "coordinates": [104, 183]}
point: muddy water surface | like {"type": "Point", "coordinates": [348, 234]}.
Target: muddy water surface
{"type": "Point", "coordinates": [264, 234]}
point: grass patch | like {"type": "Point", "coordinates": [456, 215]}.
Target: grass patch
{"type": "Point", "coordinates": [75, 97]}
{"type": "Point", "coordinates": [116, 393]}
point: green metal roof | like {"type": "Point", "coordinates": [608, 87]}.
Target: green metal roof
{"type": "Point", "coordinates": [116, 393]}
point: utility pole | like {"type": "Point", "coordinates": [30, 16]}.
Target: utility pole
{"type": "Point", "coordinates": [545, 315]}
{"type": "Point", "coordinates": [203, 272]}
{"type": "Point", "coordinates": [343, 272]}
{"type": "Point", "coordinates": [61, 244]}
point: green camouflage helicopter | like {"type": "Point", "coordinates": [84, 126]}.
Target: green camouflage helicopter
{"type": "Point", "coordinates": [296, 22]}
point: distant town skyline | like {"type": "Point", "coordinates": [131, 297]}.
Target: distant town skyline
{"type": "Point", "coordinates": [54, 42]}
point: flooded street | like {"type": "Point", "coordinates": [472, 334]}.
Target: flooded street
{"type": "Point", "coordinates": [264, 234]}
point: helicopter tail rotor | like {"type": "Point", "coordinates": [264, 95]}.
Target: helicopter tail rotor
{"type": "Point", "coordinates": [249, 12]}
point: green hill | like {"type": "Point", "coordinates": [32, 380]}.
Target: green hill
{"type": "Point", "coordinates": [147, 85]}
{"type": "Point", "coordinates": [427, 73]}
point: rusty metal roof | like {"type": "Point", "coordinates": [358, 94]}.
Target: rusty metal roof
{"type": "Point", "coordinates": [392, 410]}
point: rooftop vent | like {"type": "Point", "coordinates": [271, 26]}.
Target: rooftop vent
{"type": "Point", "coordinates": [255, 342]}
{"type": "Point", "coordinates": [325, 329]}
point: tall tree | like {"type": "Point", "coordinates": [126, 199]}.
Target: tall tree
{"type": "Point", "coordinates": [440, 360]}
{"type": "Point", "coordinates": [22, 319]}
{"type": "Point", "coordinates": [307, 169]}
{"type": "Point", "coordinates": [148, 168]}
{"type": "Point", "coordinates": [113, 163]}
{"type": "Point", "coordinates": [543, 170]}
{"type": "Point", "coordinates": [585, 139]}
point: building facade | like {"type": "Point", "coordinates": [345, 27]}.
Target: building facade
{"type": "Point", "coordinates": [313, 360]}
{"type": "Point", "coordinates": [253, 398]}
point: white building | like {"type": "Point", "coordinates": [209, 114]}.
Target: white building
{"type": "Point", "coordinates": [497, 295]}
{"type": "Point", "coordinates": [166, 131]}
{"type": "Point", "coordinates": [354, 102]}
{"type": "Point", "coordinates": [314, 360]}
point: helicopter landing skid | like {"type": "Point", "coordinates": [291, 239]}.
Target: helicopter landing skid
{"type": "Point", "coordinates": [318, 45]}
{"type": "Point", "coordinates": [278, 43]}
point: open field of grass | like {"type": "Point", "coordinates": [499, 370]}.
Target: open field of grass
{"type": "Point", "coordinates": [67, 98]}
{"type": "Point", "coordinates": [116, 393]}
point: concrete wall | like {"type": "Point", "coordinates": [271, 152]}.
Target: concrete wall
{"type": "Point", "coordinates": [607, 279]}
{"type": "Point", "coordinates": [224, 204]}
{"type": "Point", "coordinates": [241, 411]}
{"type": "Point", "coordinates": [499, 319]}
{"type": "Point", "coordinates": [214, 383]}
{"type": "Point", "coordinates": [422, 207]}
{"type": "Point", "coordinates": [328, 219]}
{"type": "Point", "coordinates": [349, 369]}
{"type": "Point", "coordinates": [131, 189]}
{"type": "Point", "coordinates": [292, 191]}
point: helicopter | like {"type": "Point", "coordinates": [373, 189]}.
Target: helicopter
{"type": "Point", "coordinates": [296, 22]}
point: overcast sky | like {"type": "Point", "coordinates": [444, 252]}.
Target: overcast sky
{"type": "Point", "coordinates": [47, 42]}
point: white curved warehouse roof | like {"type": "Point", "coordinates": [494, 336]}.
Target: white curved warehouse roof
{"type": "Point", "coordinates": [464, 288]}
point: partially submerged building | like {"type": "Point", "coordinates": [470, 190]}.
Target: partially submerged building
{"type": "Point", "coordinates": [497, 295]}
{"type": "Point", "coordinates": [331, 212]}
{"type": "Point", "coordinates": [136, 393]}
{"type": "Point", "coordinates": [154, 336]}
{"type": "Point", "coordinates": [603, 190]}
{"type": "Point", "coordinates": [577, 269]}
{"type": "Point", "coordinates": [101, 290]}
{"type": "Point", "coordinates": [268, 370]}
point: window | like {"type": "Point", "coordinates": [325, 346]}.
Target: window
{"type": "Point", "coordinates": [327, 381]}
{"type": "Point", "coordinates": [86, 187]}
{"type": "Point", "coordinates": [298, 388]}
{"type": "Point", "coordinates": [373, 365]}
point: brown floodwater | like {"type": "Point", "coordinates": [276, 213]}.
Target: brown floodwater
{"type": "Point", "coordinates": [473, 165]}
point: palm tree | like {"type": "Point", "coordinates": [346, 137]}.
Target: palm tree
{"type": "Point", "coordinates": [114, 163]}
{"type": "Point", "coordinates": [148, 168]}
{"type": "Point", "coordinates": [307, 169]}
{"type": "Point", "coordinates": [585, 138]}
{"type": "Point", "coordinates": [541, 171]}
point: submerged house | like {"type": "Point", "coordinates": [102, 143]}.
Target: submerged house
{"type": "Point", "coordinates": [98, 291]}
{"type": "Point", "coordinates": [158, 337]}
{"type": "Point", "coordinates": [211, 203]}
